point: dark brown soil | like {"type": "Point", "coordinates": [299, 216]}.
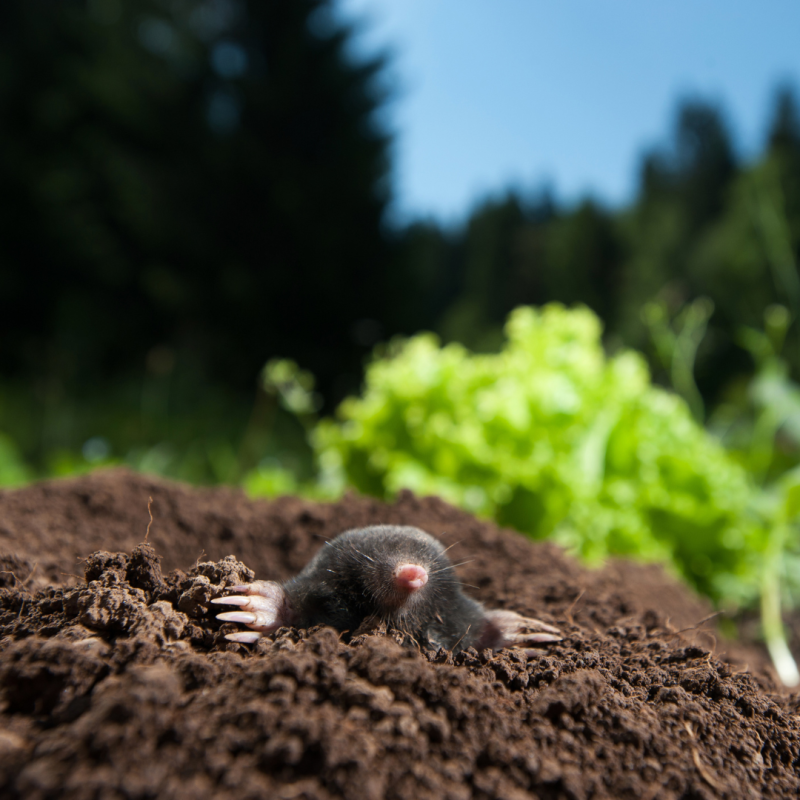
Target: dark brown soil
{"type": "Point", "coordinates": [116, 681]}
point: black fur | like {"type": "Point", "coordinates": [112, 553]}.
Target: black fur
{"type": "Point", "coordinates": [349, 583]}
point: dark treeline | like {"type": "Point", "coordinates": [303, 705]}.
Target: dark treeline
{"type": "Point", "coordinates": [703, 224]}
{"type": "Point", "coordinates": [189, 188]}
{"type": "Point", "coordinates": [204, 178]}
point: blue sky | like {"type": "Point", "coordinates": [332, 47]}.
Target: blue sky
{"type": "Point", "coordinates": [495, 93]}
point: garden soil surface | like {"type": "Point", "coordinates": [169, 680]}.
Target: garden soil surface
{"type": "Point", "coordinates": [116, 680]}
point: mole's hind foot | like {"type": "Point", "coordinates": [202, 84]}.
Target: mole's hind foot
{"type": "Point", "coordinates": [509, 629]}
{"type": "Point", "coordinates": [263, 607]}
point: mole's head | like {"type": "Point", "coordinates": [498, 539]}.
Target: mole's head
{"type": "Point", "coordinates": [392, 567]}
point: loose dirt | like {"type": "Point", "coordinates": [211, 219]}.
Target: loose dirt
{"type": "Point", "coordinates": [116, 680]}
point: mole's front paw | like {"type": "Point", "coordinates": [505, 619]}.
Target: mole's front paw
{"type": "Point", "coordinates": [509, 629]}
{"type": "Point", "coordinates": [263, 606]}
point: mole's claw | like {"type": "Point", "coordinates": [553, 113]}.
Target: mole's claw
{"type": "Point", "coordinates": [532, 652]}
{"type": "Point", "coordinates": [545, 637]}
{"type": "Point", "coordinates": [534, 638]}
{"type": "Point", "coordinates": [244, 637]}
{"type": "Point", "coordinates": [261, 620]}
{"type": "Point", "coordinates": [233, 600]}
{"type": "Point", "coordinates": [543, 626]}
{"type": "Point", "coordinates": [508, 629]}
{"type": "Point", "coordinates": [238, 616]}
{"type": "Point", "coordinates": [263, 606]}
{"type": "Point", "coordinates": [255, 602]}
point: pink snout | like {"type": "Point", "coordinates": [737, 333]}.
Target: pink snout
{"type": "Point", "coordinates": [410, 577]}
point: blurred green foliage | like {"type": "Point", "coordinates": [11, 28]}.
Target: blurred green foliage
{"type": "Point", "coordinates": [13, 471]}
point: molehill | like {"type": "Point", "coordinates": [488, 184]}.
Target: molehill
{"type": "Point", "coordinates": [116, 680]}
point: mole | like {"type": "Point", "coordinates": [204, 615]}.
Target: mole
{"type": "Point", "coordinates": [396, 575]}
